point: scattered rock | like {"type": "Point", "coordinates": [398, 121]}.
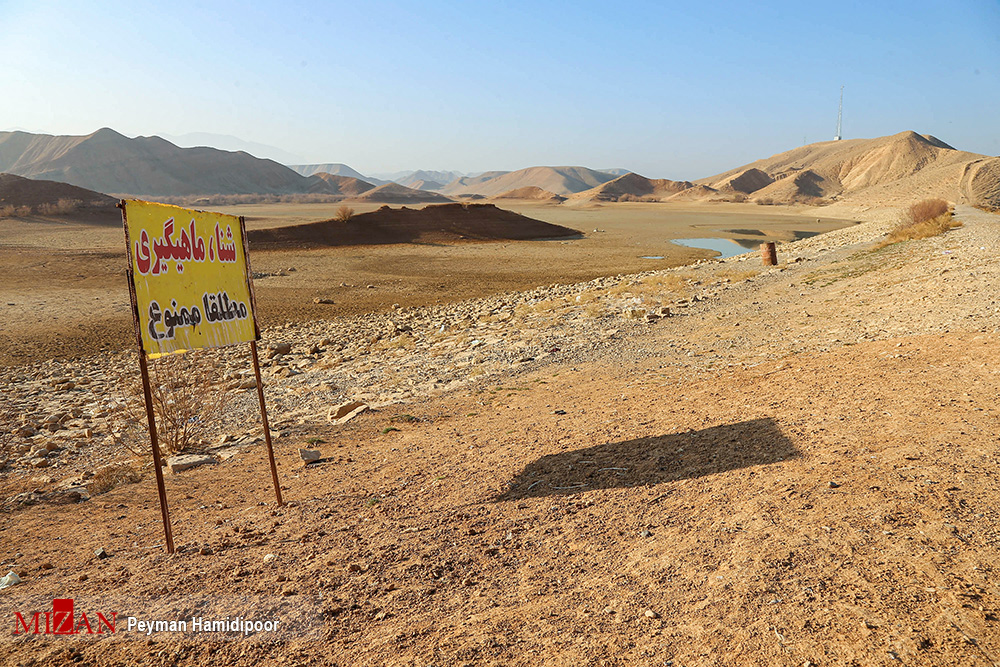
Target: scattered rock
{"type": "Point", "coordinates": [183, 462]}
{"type": "Point", "coordinates": [309, 455]}
{"type": "Point", "coordinates": [343, 413]}
{"type": "Point", "coordinates": [102, 553]}
{"type": "Point", "coordinates": [279, 349]}
{"type": "Point", "coordinates": [834, 485]}
{"type": "Point", "coordinates": [354, 568]}
{"type": "Point", "coordinates": [328, 302]}
{"type": "Point", "coordinates": [270, 558]}
{"type": "Point", "coordinates": [651, 614]}
{"type": "Point", "coordinates": [646, 533]}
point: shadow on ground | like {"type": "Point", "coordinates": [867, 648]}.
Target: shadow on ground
{"type": "Point", "coordinates": [654, 460]}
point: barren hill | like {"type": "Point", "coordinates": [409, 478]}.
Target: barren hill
{"type": "Point", "coordinates": [427, 176]}
{"type": "Point", "coordinates": [339, 185]}
{"type": "Point", "coordinates": [107, 161]}
{"type": "Point", "coordinates": [18, 191]}
{"type": "Point", "coordinates": [884, 171]}
{"type": "Point", "coordinates": [445, 222]}
{"type": "Point", "coordinates": [424, 185]}
{"type": "Point", "coordinates": [335, 168]}
{"type": "Point", "coordinates": [394, 193]}
{"type": "Point", "coordinates": [532, 193]}
{"type": "Point", "coordinates": [468, 184]}
{"type": "Point", "coordinates": [633, 187]}
{"type": "Point", "coordinates": [559, 180]}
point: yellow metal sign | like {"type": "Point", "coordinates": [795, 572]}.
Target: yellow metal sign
{"type": "Point", "coordinates": [191, 277]}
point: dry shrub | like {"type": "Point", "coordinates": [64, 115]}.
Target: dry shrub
{"type": "Point", "coordinates": [924, 219]}
{"type": "Point", "coordinates": [735, 275]}
{"type": "Point", "coordinates": [926, 210]}
{"type": "Point", "coordinates": [14, 211]}
{"type": "Point", "coordinates": [344, 213]}
{"type": "Point", "coordinates": [111, 476]}
{"type": "Point", "coordinates": [188, 403]}
{"type": "Point", "coordinates": [62, 207]}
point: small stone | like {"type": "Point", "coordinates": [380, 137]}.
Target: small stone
{"type": "Point", "coordinates": [354, 568]}
{"type": "Point", "coordinates": [834, 485]}
{"type": "Point", "coordinates": [328, 302]}
{"type": "Point", "coordinates": [343, 413]}
{"type": "Point", "coordinates": [102, 553]}
{"type": "Point", "coordinates": [609, 610]}
{"type": "Point", "coordinates": [183, 462]}
{"type": "Point", "coordinates": [309, 455]}
{"type": "Point", "coordinates": [205, 551]}
{"type": "Point", "coordinates": [279, 349]}
{"type": "Point", "coordinates": [270, 558]}
{"type": "Point", "coordinates": [651, 614]}
{"type": "Point", "coordinates": [39, 463]}
{"type": "Point", "coordinates": [646, 533]}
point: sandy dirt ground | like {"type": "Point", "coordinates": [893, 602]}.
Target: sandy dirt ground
{"type": "Point", "coordinates": [63, 291]}
{"type": "Point", "coordinates": [798, 470]}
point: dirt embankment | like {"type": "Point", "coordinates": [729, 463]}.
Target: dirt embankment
{"type": "Point", "coordinates": [439, 223]}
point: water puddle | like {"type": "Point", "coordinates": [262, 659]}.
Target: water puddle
{"type": "Point", "coordinates": [725, 247]}
{"type": "Point", "coordinates": [651, 257]}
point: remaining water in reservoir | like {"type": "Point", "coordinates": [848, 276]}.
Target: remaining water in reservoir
{"type": "Point", "coordinates": [725, 247]}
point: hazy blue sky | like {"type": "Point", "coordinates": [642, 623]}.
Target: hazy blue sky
{"type": "Point", "coordinates": [677, 90]}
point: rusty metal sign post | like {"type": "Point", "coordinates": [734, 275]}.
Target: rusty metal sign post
{"type": "Point", "coordinates": [208, 315]}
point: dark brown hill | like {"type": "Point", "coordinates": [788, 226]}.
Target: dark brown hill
{"type": "Point", "coordinates": [436, 223]}
{"type": "Point", "coordinates": [26, 196]}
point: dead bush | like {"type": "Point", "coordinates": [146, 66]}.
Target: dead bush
{"type": "Point", "coordinates": [61, 207]}
{"type": "Point", "coordinates": [188, 403]}
{"type": "Point", "coordinates": [926, 210]}
{"type": "Point", "coordinates": [344, 213]}
{"type": "Point", "coordinates": [111, 476]}
{"type": "Point", "coordinates": [922, 220]}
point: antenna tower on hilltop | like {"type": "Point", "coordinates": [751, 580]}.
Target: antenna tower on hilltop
{"type": "Point", "coordinates": [840, 115]}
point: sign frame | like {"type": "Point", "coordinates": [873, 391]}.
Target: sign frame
{"type": "Point", "coordinates": [144, 368]}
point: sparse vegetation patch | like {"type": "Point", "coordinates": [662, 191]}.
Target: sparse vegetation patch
{"type": "Point", "coordinates": [922, 220]}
